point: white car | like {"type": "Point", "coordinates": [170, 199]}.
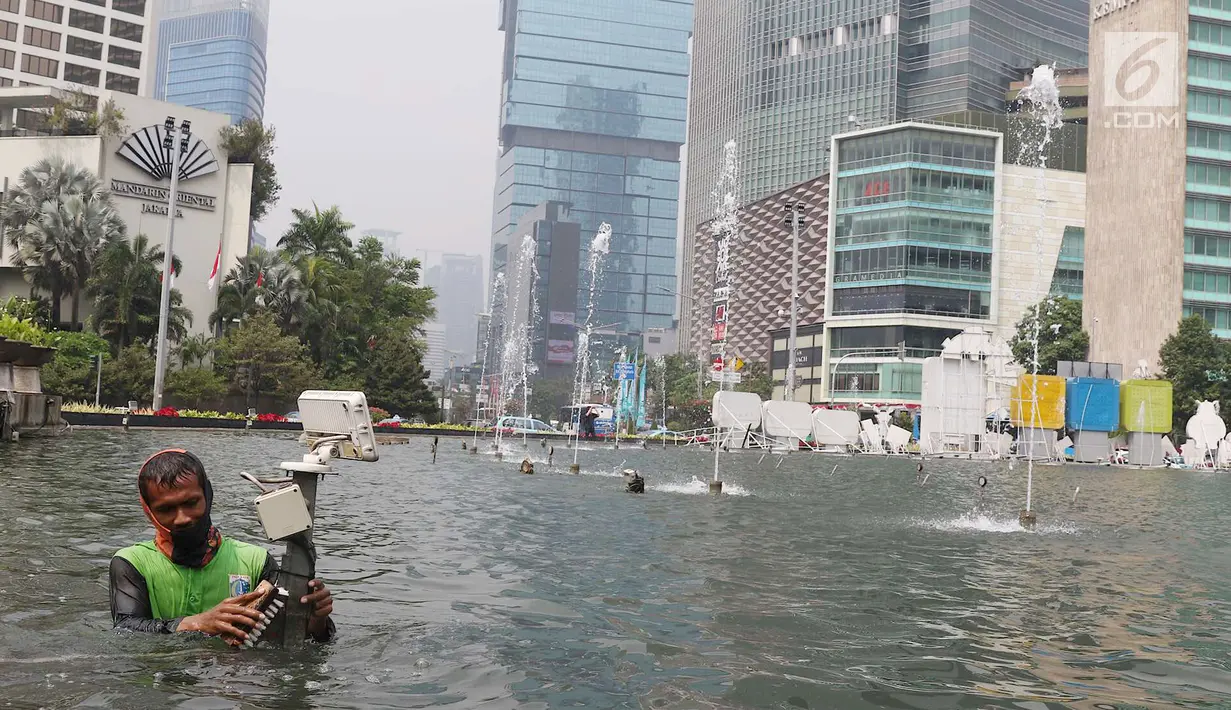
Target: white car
{"type": "Point", "coordinates": [524, 425]}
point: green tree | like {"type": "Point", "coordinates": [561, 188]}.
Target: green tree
{"type": "Point", "coordinates": [78, 113]}
{"type": "Point", "coordinates": [1197, 363]}
{"type": "Point", "coordinates": [71, 374]}
{"type": "Point", "coordinates": [548, 395]}
{"type": "Point", "coordinates": [316, 233]}
{"type": "Point", "coordinates": [127, 293]}
{"type": "Point", "coordinates": [251, 142]}
{"type": "Point", "coordinates": [130, 376]}
{"type": "Point", "coordinates": [1060, 335]}
{"type": "Point", "coordinates": [396, 380]}
{"type": "Point", "coordinates": [59, 218]}
{"type": "Point", "coordinates": [755, 378]}
{"type": "Point", "coordinates": [196, 385]}
{"type": "Point", "coordinates": [260, 359]}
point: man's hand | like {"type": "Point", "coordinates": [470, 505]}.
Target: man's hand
{"type": "Point", "coordinates": [321, 603]}
{"type": "Point", "coordinates": [230, 619]}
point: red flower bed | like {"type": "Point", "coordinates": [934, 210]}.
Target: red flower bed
{"type": "Point", "coordinates": [270, 418]}
{"type": "Point", "coordinates": [389, 425]}
{"type": "Point", "coordinates": [167, 412]}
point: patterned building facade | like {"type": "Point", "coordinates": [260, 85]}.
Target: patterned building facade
{"type": "Point", "coordinates": [761, 272]}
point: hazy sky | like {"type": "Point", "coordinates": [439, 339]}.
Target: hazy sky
{"type": "Point", "coordinates": [388, 109]}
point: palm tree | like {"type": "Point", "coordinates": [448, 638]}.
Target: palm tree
{"type": "Point", "coordinates": [127, 294]}
{"type": "Point", "coordinates": [285, 296]}
{"type": "Point", "coordinates": [317, 233]}
{"type": "Point", "coordinates": [243, 289]}
{"type": "Point", "coordinates": [196, 350]}
{"type": "Point", "coordinates": [321, 290]}
{"type": "Point", "coordinates": [59, 218]}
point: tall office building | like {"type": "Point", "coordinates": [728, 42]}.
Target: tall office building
{"type": "Point", "coordinates": [458, 280]}
{"type": "Point", "coordinates": [211, 55]}
{"type": "Point", "coordinates": [593, 115]}
{"type": "Point", "coordinates": [780, 77]}
{"type": "Point", "coordinates": [1158, 239]}
{"type": "Point", "coordinates": [99, 44]}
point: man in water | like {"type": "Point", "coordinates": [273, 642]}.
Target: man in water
{"type": "Point", "coordinates": [190, 578]}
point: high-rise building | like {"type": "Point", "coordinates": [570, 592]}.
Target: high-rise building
{"type": "Point", "coordinates": [593, 115]}
{"type": "Point", "coordinates": [780, 77]}
{"type": "Point", "coordinates": [76, 43]}
{"type": "Point", "coordinates": [933, 232]}
{"type": "Point", "coordinates": [211, 55]}
{"type": "Point", "coordinates": [458, 280]}
{"type": "Point", "coordinates": [1158, 240]}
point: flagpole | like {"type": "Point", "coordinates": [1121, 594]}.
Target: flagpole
{"type": "Point", "coordinates": [168, 259]}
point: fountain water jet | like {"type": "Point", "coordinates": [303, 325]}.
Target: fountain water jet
{"type": "Point", "coordinates": [499, 289]}
{"type": "Point", "coordinates": [725, 228]}
{"type": "Point", "coordinates": [599, 248]}
{"type": "Point", "coordinates": [520, 322]}
{"type": "Point", "coordinates": [1043, 97]}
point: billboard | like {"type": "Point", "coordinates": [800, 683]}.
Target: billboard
{"type": "Point", "coordinates": [559, 352]}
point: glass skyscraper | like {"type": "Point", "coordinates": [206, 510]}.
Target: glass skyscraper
{"type": "Point", "coordinates": [781, 77]}
{"type": "Point", "coordinates": [594, 103]}
{"type": "Point", "coordinates": [211, 55]}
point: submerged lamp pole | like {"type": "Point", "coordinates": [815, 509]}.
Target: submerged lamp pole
{"type": "Point", "coordinates": [168, 259]}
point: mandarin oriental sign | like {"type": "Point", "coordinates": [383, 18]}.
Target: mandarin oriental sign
{"type": "Point", "coordinates": [162, 194]}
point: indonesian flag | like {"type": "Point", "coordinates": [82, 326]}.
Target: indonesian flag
{"type": "Point", "coordinates": [213, 275]}
{"type": "Point", "coordinates": [172, 278]}
{"type": "Point", "coordinates": [260, 279]}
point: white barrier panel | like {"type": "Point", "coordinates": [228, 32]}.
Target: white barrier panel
{"type": "Point", "coordinates": [788, 419]}
{"type": "Point", "coordinates": [898, 438]}
{"type": "Point", "coordinates": [736, 410]}
{"type": "Point", "coordinates": [835, 427]}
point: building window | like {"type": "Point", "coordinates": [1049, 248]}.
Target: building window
{"type": "Point", "coordinates": [13, 6]}
{"type": "Point", "coordinates": [124, 57]}
{"type": "Point", "coordinates": [84, 48]}
{"type": "Point", "coordinates": [42, 10]}
{"type": "Point", "coordinates": [8, 30]}
{"type": "Point", "coordinates": [100, 3]}
{"type": "Point", "coordinates": [126, 30]}
{"type": "Point", "coordinates": [8, 58]}
{"type": "Point", "coordinates": [78, 74]}
{"type": "Point", "coordinates": [5, 82]}
{"type": "Point", "coordinates": [122, 82]}
{"type": "Point", "coordinates": [39, 37]}
{"type": "Point", "coordinates": [87, 21]}
{"type": "Point", "coordinates": [42, 66]}
{"type": "Point", "coordinates": [132, 7]}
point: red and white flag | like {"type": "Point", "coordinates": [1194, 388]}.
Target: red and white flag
{"type": "Point", "coordinates": [213, 275]}
{"type": "Point", "coordinates": [260, 279]}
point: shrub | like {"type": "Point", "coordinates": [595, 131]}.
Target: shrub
{"type": "Point", "coordinates": [378, 414]}
{"type": "Point", "coordinates": [167, 412]}
{"type": "Point", "coordinates": [14, 328]}
{"type": "Point", "coordinates": [270, 418]}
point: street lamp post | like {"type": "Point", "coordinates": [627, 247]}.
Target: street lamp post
{"type": "Point", "coordinates": [795, 215]}
{"type": "Point", "coordinates": [164, 308]}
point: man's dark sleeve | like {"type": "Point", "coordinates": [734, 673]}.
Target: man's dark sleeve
{"type": "Point", "coordinates": [270, 573]}
{"type": "Point", "coordinates": [130, 601]}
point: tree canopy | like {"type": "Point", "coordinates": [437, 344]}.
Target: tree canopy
{"type": "Point", "coordinates": [1060, 335]}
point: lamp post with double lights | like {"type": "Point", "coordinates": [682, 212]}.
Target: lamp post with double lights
{"type": "Point", "coordinates": [175, 154]}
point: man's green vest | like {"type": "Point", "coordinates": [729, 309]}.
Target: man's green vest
{"type": "Point", "coordinates": [177, 591]}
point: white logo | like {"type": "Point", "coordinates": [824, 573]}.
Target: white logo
{"type": "Point", "coordinates": [1141, 69]}
{"type": "Point", "coordinates": [145, 150]}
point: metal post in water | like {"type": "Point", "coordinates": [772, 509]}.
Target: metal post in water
{"type": "Point", "coordinates": [793, 339]}
{"type": "Point", "coordinates": [98, 384]}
